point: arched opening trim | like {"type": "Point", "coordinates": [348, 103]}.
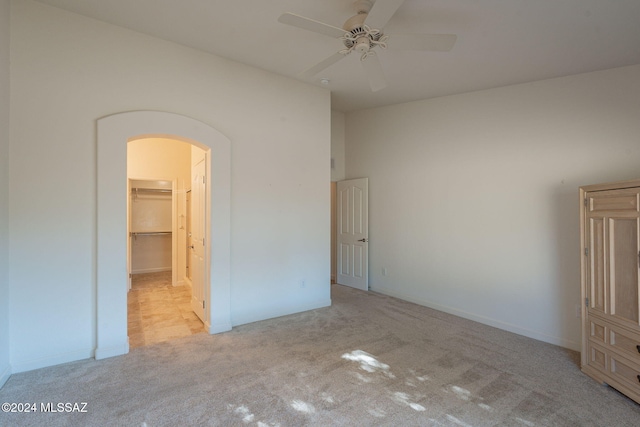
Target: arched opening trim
{"type": "Point", "coordinates": [114, 132]}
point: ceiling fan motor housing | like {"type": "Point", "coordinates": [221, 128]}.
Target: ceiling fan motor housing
{"type": "Point", "coordinates": [361, 38]}
{"type": "Point", "coordinates": [355, 22]}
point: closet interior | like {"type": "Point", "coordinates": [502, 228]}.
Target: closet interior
{"type": "Point", "coordinates": [151, 226]}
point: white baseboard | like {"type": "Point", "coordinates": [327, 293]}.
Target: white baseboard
{"type": "Point", "coordinates": [117, 350]}
{"type": "Point", "coordinates": [4, 375]}
{"type": "Point", "coordinates": [57, 359]}
{"type": "Point", "coordinates": [572, 345]}
{"type": "Point", "coordinates": [256, 317]}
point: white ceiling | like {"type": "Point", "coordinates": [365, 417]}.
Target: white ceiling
{"type": "Point", "coordinates": [500, 42]}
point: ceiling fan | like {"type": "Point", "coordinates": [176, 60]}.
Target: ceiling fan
{"type": "Point", "coordinates": [363, 33]}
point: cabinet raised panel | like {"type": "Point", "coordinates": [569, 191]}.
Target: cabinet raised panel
{"type": "Point", "coordinates": [597, 265]}
{"type": "Point", "coordinates": [608, 203]}
{"type": "Point", "coordinates": [598, 331]}
{"type": "Point", "coordinates": [625, 372]}
{"type": "Point", "coordinates": [624, 268]}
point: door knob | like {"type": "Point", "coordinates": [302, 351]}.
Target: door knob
{"type": "Point", "coordinates": [362, 240]}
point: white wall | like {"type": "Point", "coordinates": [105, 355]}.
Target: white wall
{"type": "Point", "coordinates": [337, 174]}
{"type": "Point", "coordinates": [337, 145]}
{"type": "Point", "coordinates": [4, 191]}
{"type": "Point", "coordinates": [68, 71]}
{"type": "Point", "coordinates": [474, 197]}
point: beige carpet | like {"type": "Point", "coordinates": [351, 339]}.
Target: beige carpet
{"type": "Point", "coordinates": [368, 360]}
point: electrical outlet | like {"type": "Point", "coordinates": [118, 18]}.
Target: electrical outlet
{"type": "Point", "coordinates": [384, 271]}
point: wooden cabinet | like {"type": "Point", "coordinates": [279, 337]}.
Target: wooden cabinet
{"type": "Point", "coordinates": [610, 240]}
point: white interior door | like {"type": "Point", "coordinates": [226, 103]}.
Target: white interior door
{"type": "Point", "coordinates": [353, 233]}
{"type": "Point", "coordinates": [197, 268]}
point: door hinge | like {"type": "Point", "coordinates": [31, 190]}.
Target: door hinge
{"type": "Point", "coordinates": [586, 302]}
{"type": "Point", "coordinates": [586, 251]}
{"type": "Point", "coordinates": [203, 304]}
{"type": "Point", "coordinates": [203, 241]}
{"type": "Point", "coordinates": [586, 201]}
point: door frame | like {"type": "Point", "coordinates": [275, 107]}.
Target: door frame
{"type": "Point", "coordinates": [113, 133]}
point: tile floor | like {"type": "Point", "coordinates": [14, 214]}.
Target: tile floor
{"type": "Point", "coordinates": [159, 312]}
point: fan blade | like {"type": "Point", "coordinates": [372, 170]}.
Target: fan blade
{"type": "Point", "coordinates": [322, 65]}
{"type": "Point", "coordinates": [431, 42]}
{"type": "Point", "coordinates": [381, 12]}
{"type": "Point", "coordinates": [373, 70]}
{"type": "Point", "coordinates": [311, 25]}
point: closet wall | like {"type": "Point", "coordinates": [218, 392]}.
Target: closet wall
{"type": "Point", "coordinates": [149, 162]}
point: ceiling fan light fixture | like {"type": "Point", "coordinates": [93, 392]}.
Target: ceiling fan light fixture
{"type": "Point", "coordinates": [363, 44]}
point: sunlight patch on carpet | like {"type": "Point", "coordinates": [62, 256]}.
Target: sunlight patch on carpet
{"type": "Point", "coordinates": [421, 378]}
{"type": "Point", "coordinates": [368, 362]}
{"type": "Point", "coordinates": [363, 378]}
{"type": "Point", "coordinates": [243, 411]}
{"type": "Point", "coordinates": [404, 398]}
{"type": "Point", "coordinates": [461, 393]}
{"type": "Point", "coordinates": [410, 383]}
{"type": "Point", "coordinates": [457, 421]}
{"type": "Point", "coordinates": [378, 413]}
{"type": "Point", "coordinates": [301, 406]}
{"type": "Point", "coordinates": [327, 397]}
{"type": "Point", "coordinates": [485, 407]}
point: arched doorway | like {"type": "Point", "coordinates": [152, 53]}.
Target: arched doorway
{"type": "Point", "coordinates": [111, 229]}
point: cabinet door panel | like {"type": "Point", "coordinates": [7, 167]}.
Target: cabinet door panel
{"type": "Point", "coordinates": [623, 261]}
{"type": "Point", "coordinates": [597, 273]}
{"type": "Point", "coordinates": [622, 202]}
{"type": "Point", "coordinates": [626, 342]}
{"type": "Point", "coordinates": [598, 331]}
{"type": "Point", "coordinates": [626, 372]}
{"type": "Point", "coordinates": [597, 357]}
